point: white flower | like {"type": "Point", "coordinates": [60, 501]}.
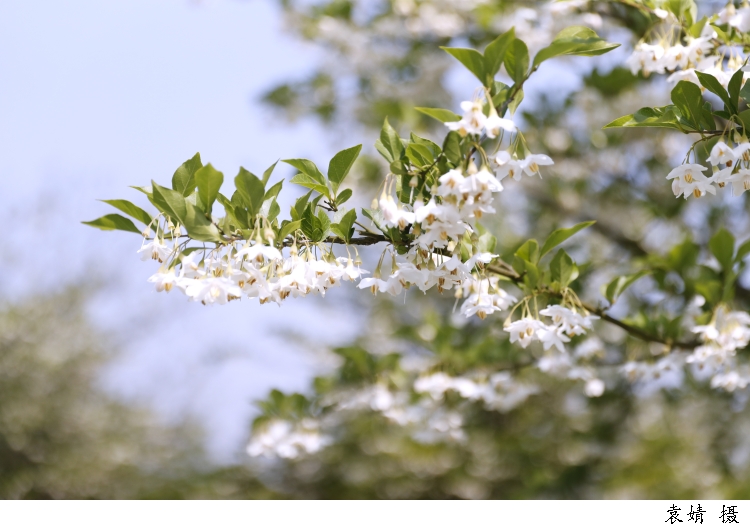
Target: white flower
{"type": "Point", "coordinates": [508, 166]}
{"type": "Point", "coordinates": [473, 119]}
{"type": "Point", "coordinates": [393, 214]}
{"type": "Point", "coordinates": [494, 123]}
{"type": "Point", "coordinates": [391, 285]}
{"type": "Point", "coordinates": [154, 249]}
{"type": "Point", "coordinates": [721, 153]}
{"type": "Point", "coordinates": [258, 252]}
{"type": "Point", "coordinates": [689, 179]}
{"type": "Point", "coordinates": [531, 163]}
{"type": "Point", "coordinates": [675, 57]}
{"type": "Point", "coordinates": [740, 182]}
{"type": "Point", "coordinates": [552, 336]}
{"type": "Point", "coordinates": [213, 290]}
{"type": "Point", "coordinates": [164, 280]}
{"type": "Point", "coordinates": [524, 330]}
{"type": "Point", "coordinates": [450, 183]}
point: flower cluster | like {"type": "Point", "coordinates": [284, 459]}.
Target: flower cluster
{"type": "Point", "coordinates": [287, 440]}
{"type": "Point", "coordinates": [500, 391]}
{"type": "Point", "coordinates": [663, 57]}
{"type": "Point", "coordinates": [259, 271]}
{"type": "Point", "coordinates": [730, 165]}
{"type": "Point", "coordinates": [728, 332]}
{"type": "Point", "coordinates": [566, 323]}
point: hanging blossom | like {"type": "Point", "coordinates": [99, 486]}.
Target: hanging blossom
{"type": "Point", "coordinates": [441, 224]}
{"type": "Point", "coordinates": [256, 271]}
{"type": "Point", "coordinates": [729, 165]}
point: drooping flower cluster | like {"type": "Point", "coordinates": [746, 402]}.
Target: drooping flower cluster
{"type": "Point", "coordinates": [500, 391]}
{"type": "Point", "coordinates": [682, 59]}
{"type": "Point", "coordinates": [566, 323]}
{"type": "Point", "coordinates": [729, 165]}
{"type": "Point", "coordinates": [259, 271]}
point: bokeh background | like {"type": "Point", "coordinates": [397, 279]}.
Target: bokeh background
{"type": "Point", "coordinates": [110, 390]}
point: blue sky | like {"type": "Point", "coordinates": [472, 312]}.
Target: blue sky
{"type": "Point", "coordinates": [96, 96]}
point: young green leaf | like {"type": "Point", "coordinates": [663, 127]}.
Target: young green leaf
{"type": "Point", "coordinates": [306, 167]}
{"type": "Point", "coordinates": [310, 183]}
{"type": "Point", "coordinates": [113, 221]}
{"type": "Point", "coordinates": [561, 234]}
{"type": "Point", "coordinates": [198, 225]}
{"type": "Point", "coordinates": [712, 84]}
{"type": "Point", "coordinates": [390, 145]}
{"type": "Point", "coordinates": [274, 190]}
{"type": "Point", "coordinates": [471, 59]}
{"type": "Point", "coordinates": [494, 54]}
{"type": "Point", "coordinates": [251, 190]}
{"type": "Point", "coordinates": [340, 165]}
{"type": "Point", "coordinates": [183, 180]}
{"type": "Point", "coordinates": [665, 117]}
{"type": "Point", "coordinates": [209, 182]}
{"type": "Point", "coordinates": [517, 60]}
{"type": "Point", "coordinates": [268, 172]}
{"type": "Point", "coordinates": [563, 269]}
{"type": "Point", "coordinates": [171, 202]}
{"type": "Point", "coordinates": [688, 98]}
{"type": "Point", "coordinates": [529, 251]}
{"type": "Point", "coordinates": [452, 148]}
{"type": "Point", "coordinates": [288, 227]}
{"type": "Point", "coordinates": [440, 115]}
{"type": "Point", "coordinates": [344, 196]}
{"type": "Point", "coordinates": [132, 210]}
{"type": "Point", "coordinates": [345, 227]}
{"type": "Point", "coordinates": [575, 40]}
{"type": "Point", "coordinates": [617, 286]}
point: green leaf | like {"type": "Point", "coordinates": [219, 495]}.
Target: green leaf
{"type": "Point", "coordinates": [712, 85]}
{"type": "Point", "coordinates": [441, 115]}
{"type": "Point", "coordinates": [696, 29]}
{"type": "Point", "coordinates": [722, 246]}
{"type": "Point", "coordinates": [251, 190]}
{"type": "Point", "coordinates": [494, 54]}
{"type": "Point", "coordinates": [735, 84]}
{"type": "Point", "coordinates": [209, 182]}
{"type": "Point", "coordinates": [113, 221]}
{"type": "Point", "coordinates": [688, 98]}
{"type": "Point", "coordinates": [419, 155]}
{"type": "Point", "coordinates": [345, 227]}
{"type": "Point", "coordinates": [344, 196]}
{"type": "Point", "coordinates": [390, 146]}
{"type": "Point", "coordinates": [529, 251]}
{"type": "Point", "coordinates": [575, 40]}
{"type": "Point", "coordinates": [198, 225]}
{"type": "Point", "coordinates": [274, 190]}
{"type": "Point", "coordinates": [561, 234]}
{"type": "Point", "coordinates": [517, 61]}
{"type": "Point", "coordinates": [306, 167]}
{"type": "Point", "coordinates": [183, 180]}
{"type": "Point", "coordinates": [649, 117]}
{"type": "Point", "coordinates": [563, 269]}
{"type": "Point", "coordinates": [745, 92]}
{"type": "Point", "coordinates": [340, 165]}
{"type": "Point", "coordinates": [310, 183]}
{"type": "Point", "coordinates": [617, 286]}
{"type": "Point", "coordinates": [300, 205]}
{"type": "Point", "coordinates": [268, 172]}
{"type": "Point", "coordinates": [171, 202]}
{"type": "Point", "coordinates": [742, 251]}
{"type": "Point", "coordinates": [744, 119]}
{"type": "Point", "coordinates": [471, 59]}
{"type": "Point", "coordinates": [452, 148]}
{"type": "Point", "coordinates": [325, 224]}
{"type": "Point", "coordinates": [132, 210]}
{"type": "Point", "coordinates": [288, 227]}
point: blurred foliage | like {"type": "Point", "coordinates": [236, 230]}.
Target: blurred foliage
{"type": "Point", "coordinates": [63, 437]}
